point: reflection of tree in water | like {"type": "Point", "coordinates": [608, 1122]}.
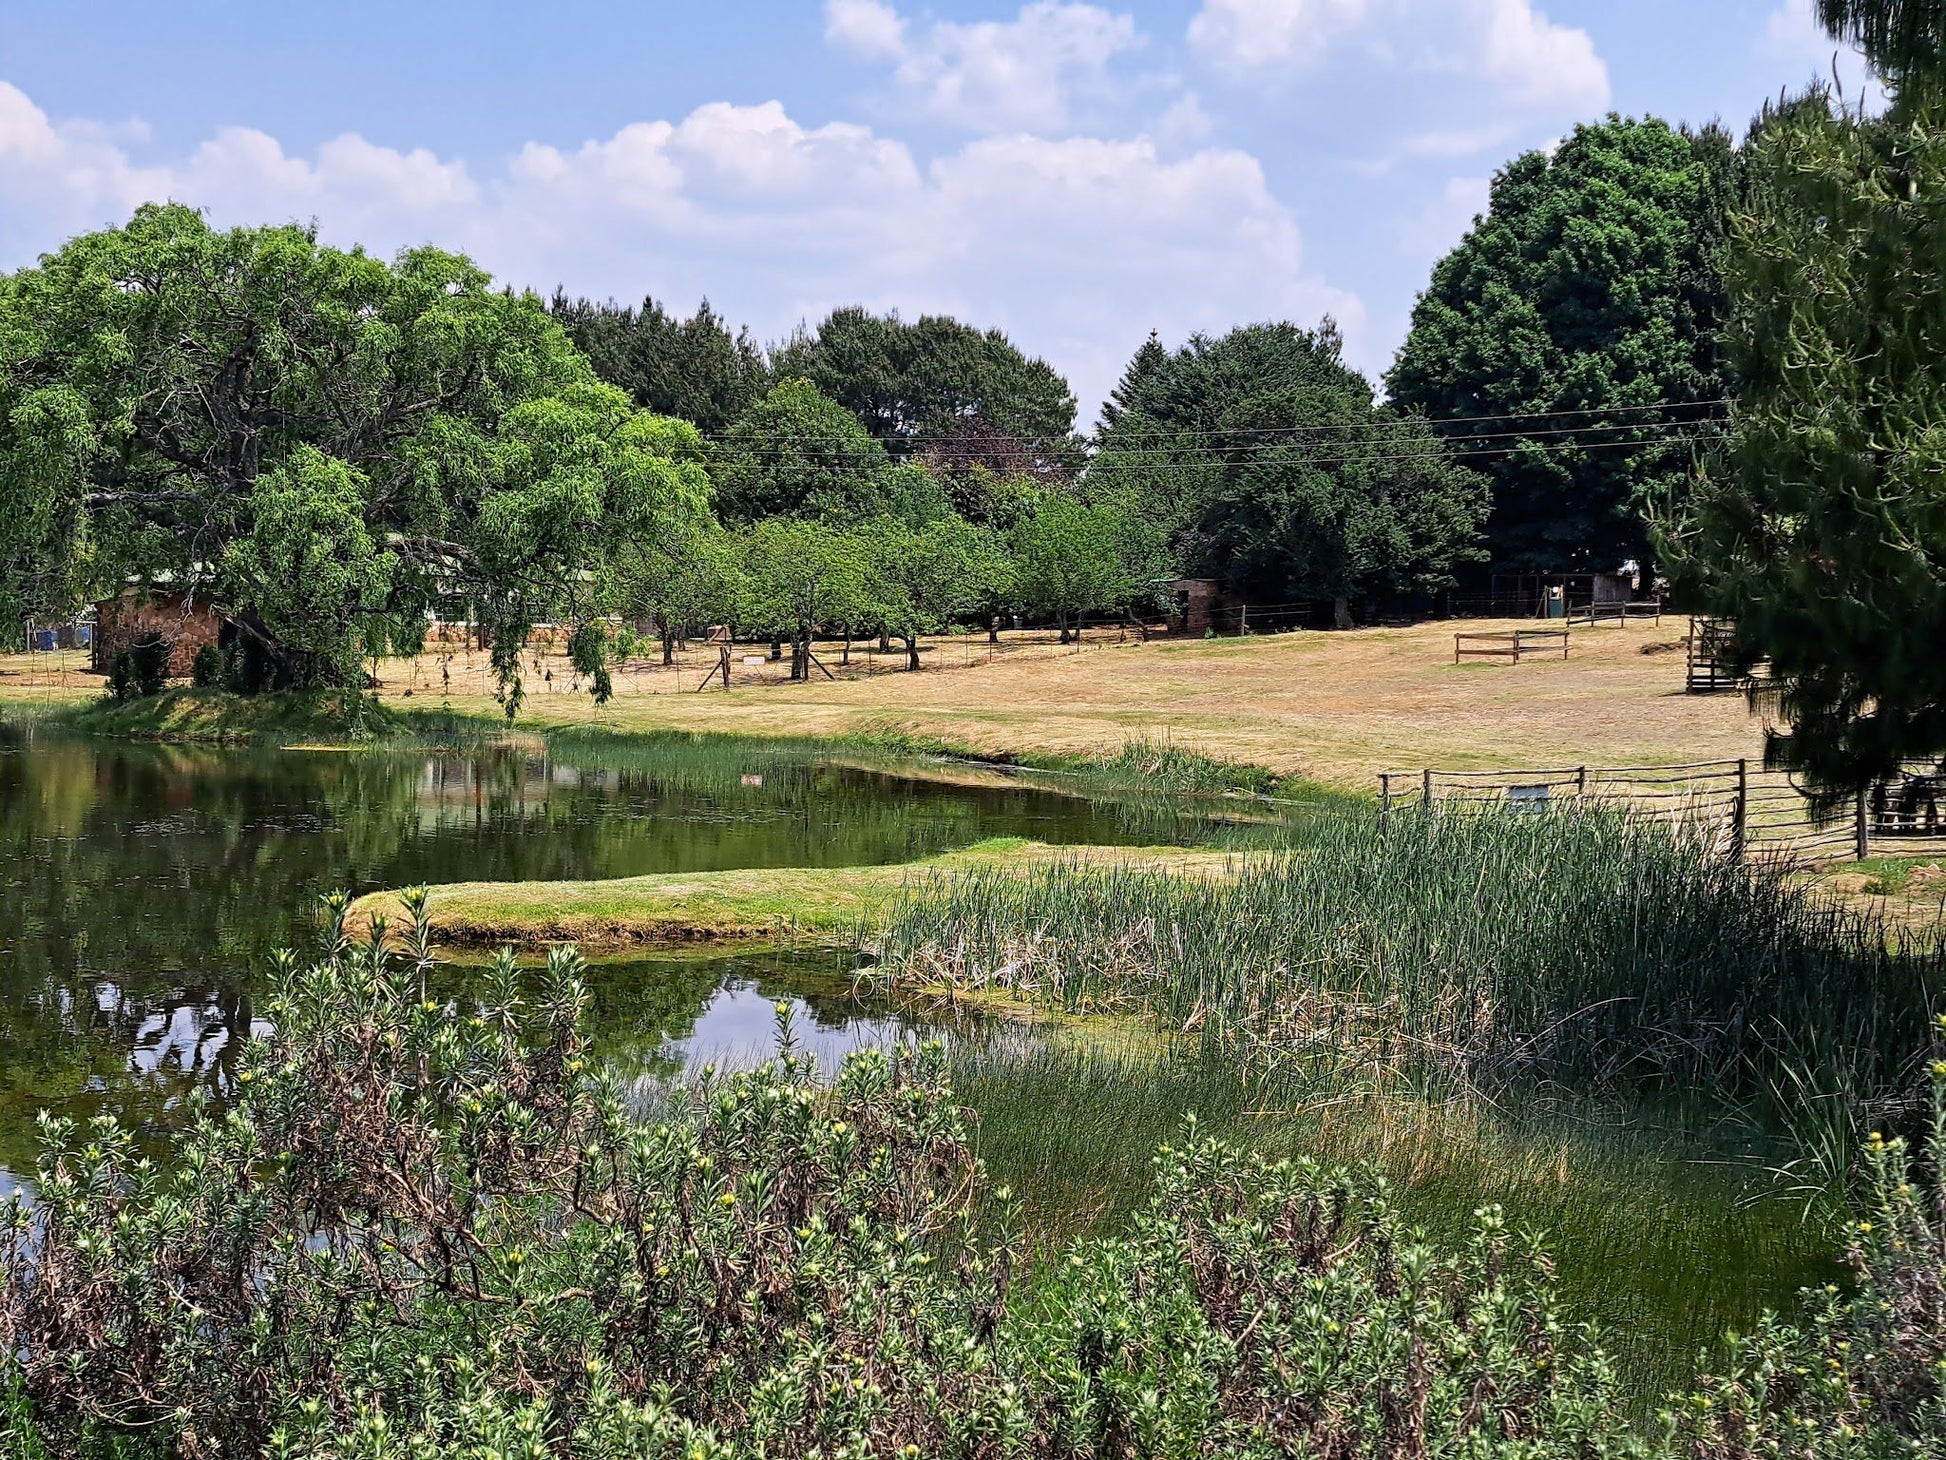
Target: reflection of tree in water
{"type": "Point", "coordinates": [145, 886]}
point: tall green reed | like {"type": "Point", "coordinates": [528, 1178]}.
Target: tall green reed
{"type": "Point", "coordinates": [1461, 951]}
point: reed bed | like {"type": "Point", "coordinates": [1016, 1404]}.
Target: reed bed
{"type": "Point", "coordinates": [1460, 951]}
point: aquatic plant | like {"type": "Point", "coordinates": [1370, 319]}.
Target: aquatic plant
{"type": "Point", "coordinates": [1460, 950]}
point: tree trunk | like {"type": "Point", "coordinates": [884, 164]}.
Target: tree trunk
{"type": "Point", "coordinates": [1341, 613]}
{"type": "Point", "coordinates": [993, 629]}
{"type": "Point", "coordinates": [885, 641]}
{"type": "Point", "coordinates": [847, 655]}
{"type": "Point", "coordinates": [668, 645]}
{"type": "Point", "coordinates": [776, 647]}
{"type": "Point", "coordinates": [1062, 619]}
{"type": "Point", "coordinates": [911, 651]}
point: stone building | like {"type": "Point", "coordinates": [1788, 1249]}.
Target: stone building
{"type": "Point", "coordinates": [185, 624]}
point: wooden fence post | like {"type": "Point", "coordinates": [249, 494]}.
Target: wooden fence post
{"type": "Point", "coordinates": [1863, 828]}
{"type": "Point", "coordinates": [1384, 799]}
{"type": "Point", "coordinates": [1426, 792]}
{"type": "Point", "coordinates": [1581, 783]}
{"type": "Point", "coordinates": [1741, 816]}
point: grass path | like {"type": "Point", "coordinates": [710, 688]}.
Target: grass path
{"type": "Point", "coordinates": [678, 909]}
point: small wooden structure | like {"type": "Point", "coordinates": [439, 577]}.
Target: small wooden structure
{"type": "Point", "coordinates": [1512, 645]}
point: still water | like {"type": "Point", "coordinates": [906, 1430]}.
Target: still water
{"type": "Point", "coordinates": [143, 888]}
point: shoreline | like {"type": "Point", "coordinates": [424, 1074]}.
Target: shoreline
{"type": "Point", "coordinates": [749, 908]}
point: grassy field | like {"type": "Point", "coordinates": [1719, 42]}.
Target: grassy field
{"type": "Point", "coordinates": [756, 905]}
{"type": "Point", "coordinates": [1337, 708]}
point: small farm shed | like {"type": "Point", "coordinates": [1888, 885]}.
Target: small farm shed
{"type": "Point", "coordinates": [1203, 606]}
{"type": "Point", "coordinates": [184, 624]}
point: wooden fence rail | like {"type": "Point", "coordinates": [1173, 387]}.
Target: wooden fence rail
{"type": "Point", "coordinates": [1511, 644]}
{"type": "Point", "coordinates": [1761, 813]}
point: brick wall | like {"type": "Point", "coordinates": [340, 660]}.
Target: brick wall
{"type": "Point", "coordinates": [122, 621]}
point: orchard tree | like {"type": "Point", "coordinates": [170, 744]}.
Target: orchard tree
{"type": "Point", "coordinates": [798, 575]}
{"type": "Point", "coordinates": [1570, 341]}
{"type": "Point", "coordinates": [693, 369]}
{"type": "Point", "coordinates": [1822, 534]}
{"type": "Point", "coordinates": [679, 578]}
{"type": "Point", "coordinates": [1069, 561]}
{"type": "Point", "coordinates": [922, 577]}
{"type": "Point", "coordinates": [324, 445]}
{"type": "Point", "coordinates": [938, 381]}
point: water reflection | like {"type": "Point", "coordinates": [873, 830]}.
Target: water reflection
{"type": "Point", "coordinates": [142, 888]}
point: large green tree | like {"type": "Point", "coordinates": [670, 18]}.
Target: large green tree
{"type": "Point", "coordinates": [1263, 460]}
{"type": "Point", "coordinates": [938, 382]}
{"type": "Point", "coordinates": [1822, 534]}
{"type": "Point", "coordinates": [1571, 339]}
{"type": "Point", "coordinates": [325, 445]}
{"type": "Point", "coordinates": [797, 452]}
{"type": "Point", "coordinates": [693, 369]}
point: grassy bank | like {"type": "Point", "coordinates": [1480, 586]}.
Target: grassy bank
{"type": "Point", "coordinates": [748, 906]}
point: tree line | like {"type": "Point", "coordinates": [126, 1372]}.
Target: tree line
{"type": "Point", "coordinates": [1658, 345]}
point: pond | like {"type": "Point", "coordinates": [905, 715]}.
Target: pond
{"type": "Point", "coordinates": [144, 887]}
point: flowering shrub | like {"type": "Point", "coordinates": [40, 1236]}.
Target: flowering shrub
{"type": "Point", "coordinates": [433, 1230]}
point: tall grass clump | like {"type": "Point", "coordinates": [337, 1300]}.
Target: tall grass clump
{"type": "Point", "coordinates": [1471, 948]}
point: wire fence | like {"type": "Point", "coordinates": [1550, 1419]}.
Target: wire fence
{"type": "Point", "coordinates": [1758, 812]}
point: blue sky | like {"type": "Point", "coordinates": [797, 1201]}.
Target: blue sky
{"type": "Point", "coordinates": [1075, 173]}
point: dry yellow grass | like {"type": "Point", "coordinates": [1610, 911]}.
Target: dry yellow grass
{"type": "Point", "coordinates": [1335, 707]}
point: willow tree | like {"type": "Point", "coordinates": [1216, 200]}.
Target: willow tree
{"type": "Point", "coordinates": [326, 446]}
{"type": "Point", "coordinates": [1823, 532]}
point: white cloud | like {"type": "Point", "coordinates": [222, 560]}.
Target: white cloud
{"type": "Point", "coordinates": [1255, 33]}
{"type": "Point", "coordinates": [1184, 124]}
{"type": "Point", "coordinates": [990, 76]}
{"type": "Point", "coordinates": [1445, 219]}
{"type": "Point", "coordinates": [1512, 48]}
{"type": "Point", "coordinates": [1077, 247]}
{"type": "Point", "coordinates": [867, 28]}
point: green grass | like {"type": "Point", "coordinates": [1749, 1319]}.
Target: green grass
{"type": "Point", "coordinates": [754, 905]}
{"type": "Point", "coordinates": [199, 716]}
{"type": "Point", "coordinates": [1661, 1241]}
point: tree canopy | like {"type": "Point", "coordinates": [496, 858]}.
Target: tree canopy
{"type": "Point", "coordinates": [693, 369]}
{"type": "Point", "coordinates": [934, 381]}
{"type": "Point", "coordinates": [325, 445]}
{"type": "Point", "coordinates": [1263, 460]}
{"type": "Point", "coordinates": [1823, 534]}
{"type": "Point", "coordinates": [797, 452]}
{"type": "Point", "coordinates": [1571, 339]}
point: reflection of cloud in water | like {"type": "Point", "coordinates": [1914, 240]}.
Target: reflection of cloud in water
{"type": "Point", "coordinates": [738, 1029]}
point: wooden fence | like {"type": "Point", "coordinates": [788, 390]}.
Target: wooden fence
{"type": "Point", "coordinates": [1760, 813]}
{"type": "Point", "coordinates": [1511, 644]}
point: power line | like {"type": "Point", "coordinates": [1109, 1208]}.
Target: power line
{"type": "Point", "coordinates": [1394, 423]}
{"type": "Point", "coordinates": [1679, 433]}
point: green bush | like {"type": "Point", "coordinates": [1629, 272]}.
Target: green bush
{"type": "Point", "coordinates": [140, 670]}
{"type": "Point", "coordinates": [429, 1228]}
{"type": "Point", "coordinates": [206, 671]}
